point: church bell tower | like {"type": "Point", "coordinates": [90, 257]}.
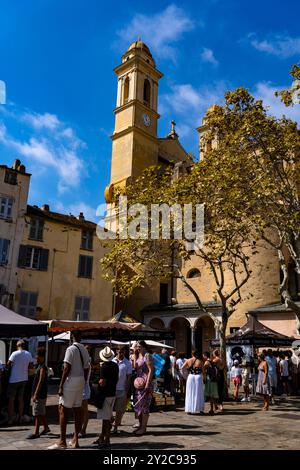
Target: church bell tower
{"type": "Point", "coordinates": [134, 141]}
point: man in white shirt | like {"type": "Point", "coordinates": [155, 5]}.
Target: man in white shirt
{"type": "Point", "coordinates": [19, 362]}
{"type": "Point", "coordinates": [123, 385]}
{"type": "Point", "coordinates": [75, 374]}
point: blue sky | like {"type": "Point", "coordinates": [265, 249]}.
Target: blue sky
{"type": "Point", "coordinates": [57, 56]}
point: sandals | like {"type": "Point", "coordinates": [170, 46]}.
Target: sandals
{"type": "Point", "coordinates": [139, 432]}
{"type": "Point", "coordinates": [97, 442]}
{"type": "Point", "coordinates": [45, 431]}
{"type": "Point", "coordinates": [57, 447]}
{"type": "Point", "coordinates": [71, 444]}
{"type": "Point", "coordinates": [104, 445]}
{"type": "Point", "coordinates": [33, 436]}
{"type": "Point", "coordinates": [115, 431]}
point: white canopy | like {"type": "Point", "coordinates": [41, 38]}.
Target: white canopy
{"type": "Point", "coordinates": [62, 337]}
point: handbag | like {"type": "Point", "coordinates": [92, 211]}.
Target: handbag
{"type": "Point", "coordinates": [139, 383]}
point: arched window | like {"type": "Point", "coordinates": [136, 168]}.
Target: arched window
{"type": "Point", "coordinates": [126, 91]}
{"type": "Point", "coordinates": [147, 90]}
{"type": "Point", "coordinates": [193, 273]}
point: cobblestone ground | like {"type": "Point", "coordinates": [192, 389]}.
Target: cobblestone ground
{"type": "Point", "coordinates": [241, 426]}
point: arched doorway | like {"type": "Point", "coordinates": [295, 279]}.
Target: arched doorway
{"type": "Point", "coordinates": [157, 324]}
{"type": "Point", "coordinates": [182, 330]}
{"type": "Point", "coordinates": [204, 333]}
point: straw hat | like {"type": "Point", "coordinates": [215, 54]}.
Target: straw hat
{"type": "Point", "coordinates": [106, 354]}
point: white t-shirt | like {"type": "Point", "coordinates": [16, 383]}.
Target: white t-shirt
{"type": "Point", "coordinates": [72, 357]}
{"type": "Point", "coordinates": [180, 363]}
{"type": "Point", "coordinates": [20, 361]}
{"type": "Point", "coordinates": [284, 368]}
{"type": "Point", "coordinates": [235, 371]}
{"type": "Point", "coordinates": [125, 368]}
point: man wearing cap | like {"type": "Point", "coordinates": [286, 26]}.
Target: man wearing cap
{"type": "Point", "coordinates": [75, 374]}
{"type": "Point", "coordinates": [109, 375]}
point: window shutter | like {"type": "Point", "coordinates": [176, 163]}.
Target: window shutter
{"type": "Point", "coordinates": [32, 228]}
{"type": "Point", "coordinates": [83, 239]}
{"type": "Point", "coordinates": [22, 311]}
{"type": "Point", "coordinates": [9, 208]}
{"type": "Point", "coordinates": [22, 256]}
{"type": "Point", "coordinates": [89, 266]}
{"type": "Point", "coordinates": [78, 303]}
{"type": "Point", "coordinates": [5, 250]}
{"type": "Point", "coordinates": [32, 299]}
{"type": "Point", "coordinates": [40, 230]}
{"type": "Point", "coordinates": [86, 303]}
{"type": "Point", "coordinates": [32, 303]}
{"type": "Point", "coordinates": [24, 299]}
{"type": "Point", "coordinates": [90, 240]}
{"type": "Point", "coordinates": [44, 260]}
{"type": "Point", "coordinates": [81, 266]}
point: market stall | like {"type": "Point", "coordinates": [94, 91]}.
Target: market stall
{"type": "Point", "coordinates": [144, 332]}
{"type": "Point", "coordinates": [253, 335]}
{"type": "Point", "coordinates": [14, 326]}
{"type": "Point", "coordinates": [245, 342]}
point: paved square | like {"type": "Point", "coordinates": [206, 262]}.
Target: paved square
{"type": "Point", "coordinates": [241, 426]}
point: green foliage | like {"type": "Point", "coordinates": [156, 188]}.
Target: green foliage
{"type": "Point", "coordinates": [289, 95]}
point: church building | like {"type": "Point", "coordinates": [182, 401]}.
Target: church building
{"type": "Point", "coordinates": [168, 303]}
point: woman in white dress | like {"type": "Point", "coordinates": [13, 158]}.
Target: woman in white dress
{"type": "Point", "coordinates": [194, 396]}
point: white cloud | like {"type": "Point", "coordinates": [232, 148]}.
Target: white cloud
{"type": "Point", "coordinates": [282, 46]}
{"type": "Point", "coordinates": [266, 92]}
{"type": "Point", "coordinates": [159, 31]}
{"type": "Point", "coordinates": [75, 208]}
{"type": "Point", "coordinates": [190, 102]}
{"type": "Point", "coordinates": [181, 99]}
{"type": "Point", "coordinates": [51, 144]}
{"type": "Point", "coordinates": [188, 105]}
{"type": "Point", "coordinates": [207, 55]}
{"type": "Point", "coordinates": [39, 121]}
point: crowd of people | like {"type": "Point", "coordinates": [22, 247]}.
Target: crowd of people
{"type": "Point", "coordinates": [198, 379]}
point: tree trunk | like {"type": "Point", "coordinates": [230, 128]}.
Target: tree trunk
{"type": "Point", "coordinates": [222, 335]}
{"type": "Point", "coordinates": [284, 290]}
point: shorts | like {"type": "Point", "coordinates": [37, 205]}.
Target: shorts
{"type": "Point", "coordinates": [106, 411]}
{"type": "Point", "coordinates": [16, 389]}
{"type": "Point", "coordinates": [39, 407]}
{"type": "Point", "coordinates": [86, 391]}
{"type": "Point", "coordinates": [245, 381]}
{"type": "Point", "coordinates": [121, 401]}
{"type": "Point", "coordinates": [73, 392]}
{"type": "Point", "coordinates": [237, 381]}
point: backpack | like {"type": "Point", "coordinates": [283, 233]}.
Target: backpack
{"type": "Point", "coordinates": [213, 372]}
{"type": "Point", "coordinates": [158, 364]}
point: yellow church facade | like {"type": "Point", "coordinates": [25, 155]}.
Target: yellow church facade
{"type": "Point", "coordinates": [169, 304]}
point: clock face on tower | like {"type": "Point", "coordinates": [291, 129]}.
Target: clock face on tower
{"type": "Point", "coordinates": [146, 120]}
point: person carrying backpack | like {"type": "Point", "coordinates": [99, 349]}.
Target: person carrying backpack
{"type": "Point", "coordinates": [210, 377]}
